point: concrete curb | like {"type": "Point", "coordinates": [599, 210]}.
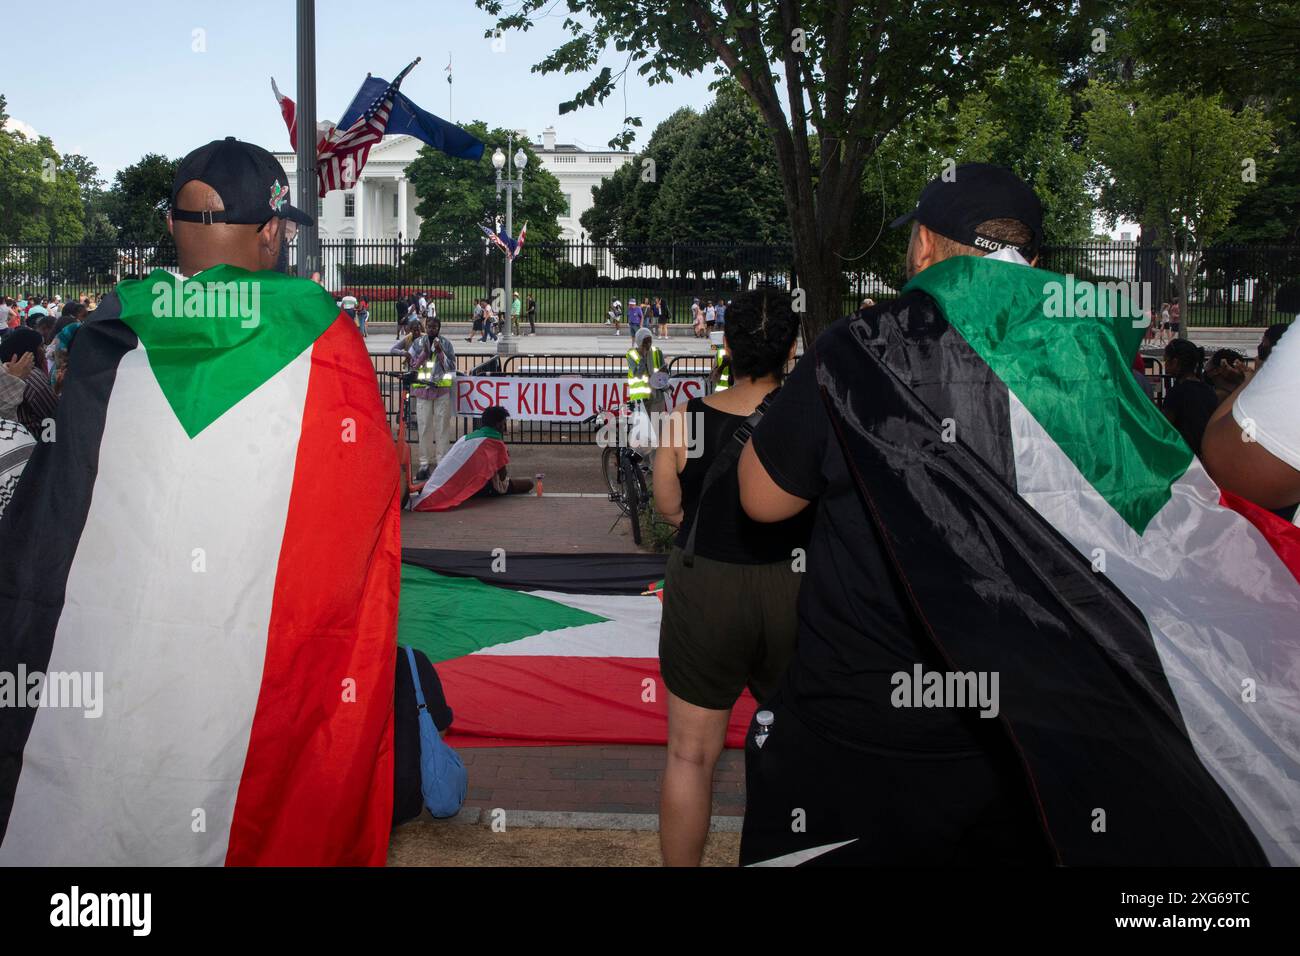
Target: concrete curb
{"type": "Point", "coordinates": [576, 820]}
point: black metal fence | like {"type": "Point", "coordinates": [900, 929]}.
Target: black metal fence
{"type": "Point", "coordinates": [575, 283]}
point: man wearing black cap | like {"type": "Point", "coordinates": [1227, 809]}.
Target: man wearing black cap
{"type": "Point", "coordinates": [243, 624]}
{"type": "Point", "coordinates": [836, 772]}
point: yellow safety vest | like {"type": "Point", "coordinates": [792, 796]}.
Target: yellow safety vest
{"type": "Point", "coordinates": [428, 374]}
{"type": "Point", "coordinates": [724, 380]}
{"type": "Point", "coordinates": [639, 372]}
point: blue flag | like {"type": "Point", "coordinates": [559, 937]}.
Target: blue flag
{"type": "Point", "coordinates": [409, 119]}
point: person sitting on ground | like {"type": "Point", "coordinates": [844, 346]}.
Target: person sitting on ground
{"type": "Point", "coordinates": [475, 467]}
{"type": "Point", "coordinates": [729, 615]}
{"type": "Point", "coordinates": [1189, 402]}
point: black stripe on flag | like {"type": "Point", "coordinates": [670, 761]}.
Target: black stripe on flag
{"type": "Point", "coordinates": [569, 573]}
{"type": "Point", "coordinates": [42, 525]}
{"type": "Point", "coordinates": [1082, 692]}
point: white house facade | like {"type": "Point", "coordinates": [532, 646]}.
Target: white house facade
{"type": "Point", "coordinates": [381, 206]}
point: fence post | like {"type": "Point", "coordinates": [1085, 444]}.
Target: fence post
{"type": "Point", "coordinates": [49, 265]}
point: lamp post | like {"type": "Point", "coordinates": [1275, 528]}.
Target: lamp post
{"type": "Point", "coordinates": [507, 345]}
{"type": "Point", "coordinates": [308, 236]}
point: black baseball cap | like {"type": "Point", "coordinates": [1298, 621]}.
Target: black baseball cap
{"type": "Point", "coordinates": [250, 181]}
{"type": "Point", "coordinates": [976, 193]}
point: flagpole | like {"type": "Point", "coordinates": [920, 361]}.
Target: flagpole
{"type": "Point", "coordinates": [308, 236]}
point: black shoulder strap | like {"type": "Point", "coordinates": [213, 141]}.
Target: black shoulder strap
{"type": "Point", "coordinates": [725, 460]}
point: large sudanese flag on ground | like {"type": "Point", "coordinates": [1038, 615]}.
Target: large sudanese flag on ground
{"type": "Point", "coordinates": [1145, 627]}
{"type": "Point", "coordinates": [216, 532]}
{"type": "Point", "coordinates": [537, 649]}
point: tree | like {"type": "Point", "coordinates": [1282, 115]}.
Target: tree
{"type": "Point", "coordinates": [456, 196]}
{"type": "Point", "coordinates": [1022, 119]}
{"type": "Point", "coordinates": [623, 213]}
{"type": "Point", "coordinates": [847, 72]}
{"type": "Point", "coordinates": [139, 198]}
{"type": "Point", "coordinates": [1180, 160]}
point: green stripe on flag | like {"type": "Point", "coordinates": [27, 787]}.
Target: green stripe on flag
{"type": "Point", "coordinates": [1072, 373]}
{"type": "Point", "coordinates": [215, 338]}
{"type": "Point", "coordinates": [450, 617]}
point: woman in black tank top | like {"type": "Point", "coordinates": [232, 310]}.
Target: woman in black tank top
{"type": "Point", "coordinates": [729, 617]}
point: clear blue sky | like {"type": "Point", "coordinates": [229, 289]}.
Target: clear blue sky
{"type": "Point", "coordinates": [118, 80]}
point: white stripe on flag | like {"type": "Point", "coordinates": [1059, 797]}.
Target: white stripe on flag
{"type": "Point", "coordinates": [149, 604]}
{"type": "Point", "coordinates": [632, 629]}
{"type": "Point", "coordinates": [1222, 608]}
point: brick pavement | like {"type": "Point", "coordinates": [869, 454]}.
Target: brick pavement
{"type": "Point", "coordinates": [601, 779]}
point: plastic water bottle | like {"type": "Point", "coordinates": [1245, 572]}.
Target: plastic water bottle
{"type": "Point", "coordinates": [764, 718]}
{"type": "Point", "coordinates": [538, 479]}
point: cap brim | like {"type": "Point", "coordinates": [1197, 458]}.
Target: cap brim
{"type": "Point", "coordinates": [903, 220]}
{"type": "Point", "coordinates": [297, 215]}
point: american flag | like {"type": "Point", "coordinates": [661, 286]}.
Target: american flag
{"type": "Point", "coordinates": [341, 154]}
{"type": "Point", "coordinates": [496, 240]}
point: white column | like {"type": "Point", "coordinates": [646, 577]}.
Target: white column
{"type": "Point", "coordinates": [360, 190]}
{"type": "Point", "coordinates": [401, 206]}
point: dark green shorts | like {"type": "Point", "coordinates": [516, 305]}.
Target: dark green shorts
{"type": "Point", "coordinates": [726, 627]}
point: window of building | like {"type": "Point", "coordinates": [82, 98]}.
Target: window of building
{"type": "Point", "coordinates": [320, 207]}
{"type": "Point", "coordinates": [394, 205]}
{"type": "Point", "coordinates": [568, 205]}
{"type": "Point", "coordinates": [599, 258]}
{"type": "Point", "coordinates": [349, 205]}
{"type": "Point", "coordinates": [349, 251]}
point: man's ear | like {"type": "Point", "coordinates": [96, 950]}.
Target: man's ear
{"type": "Point", "coordinates": [269, 240]}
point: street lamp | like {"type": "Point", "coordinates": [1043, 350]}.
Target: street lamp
{"type": "Point", "coordinates": [506, 344]}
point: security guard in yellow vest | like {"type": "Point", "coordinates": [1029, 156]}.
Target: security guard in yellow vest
{"type": "Point", "coordinates": [434, 360]}
{"type": "Point", "coordinates": [643, 360]}
{"type": "Point", "coordinates": [721, 370]}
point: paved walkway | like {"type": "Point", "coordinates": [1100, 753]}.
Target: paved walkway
{"type": "Point", "coordinates": [596, 779]}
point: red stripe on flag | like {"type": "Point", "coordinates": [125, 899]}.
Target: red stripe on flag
{"type": "Point", "coordinates": [1283, 537]}
{"type": "Point", "coordinates": [317, 786]}
{"type": "Point", "coordinates": [508, 701]}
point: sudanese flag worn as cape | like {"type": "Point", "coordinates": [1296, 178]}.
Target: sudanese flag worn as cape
{"type": "Point", "coordinates": [1049, 525]}
{"type": "Point", "coordinates": [214, 533]}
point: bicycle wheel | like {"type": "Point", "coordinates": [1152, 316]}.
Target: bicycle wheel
{"type": "Point", "coordinates": [632, 494]}
{"type": "Point", "coordinates": [613, 477]}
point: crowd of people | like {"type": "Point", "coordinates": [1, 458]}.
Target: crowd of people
{"type": "Point", "coordinates": [36, 340]}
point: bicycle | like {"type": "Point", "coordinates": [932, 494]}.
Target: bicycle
{"type": "Point", "coordinates": [626, 474]}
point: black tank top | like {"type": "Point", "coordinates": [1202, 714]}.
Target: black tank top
{"type": "Point", "coordinates": [726, 532]}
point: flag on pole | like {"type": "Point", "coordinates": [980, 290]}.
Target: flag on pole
{"type": "Point", "coordinates": [1143, 625]}
{"type": "Point", "coordinates": [243, 626]}
{"type": "Point", "coordinates": [519, 244]}
{"type": "Point", "coordinates": [498, 239]}
{"type": "Point", "coordinates": [448, 67]}
{"type": "Point", "coordinates": [410, 120]}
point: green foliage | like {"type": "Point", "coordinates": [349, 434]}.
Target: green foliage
{"type": "Point", "coordinates": [458, 195]}
{"type": "Point", "coordinates": [139, 198]}
{"type": "Point", "coordinates": [1177, 160]}
{"type": "Point", "coordinates": [39, 199]}
{"type": "Point", "coordinates": [830, 81]}
{"type": "Point", "coordinates": [1021, 119]}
